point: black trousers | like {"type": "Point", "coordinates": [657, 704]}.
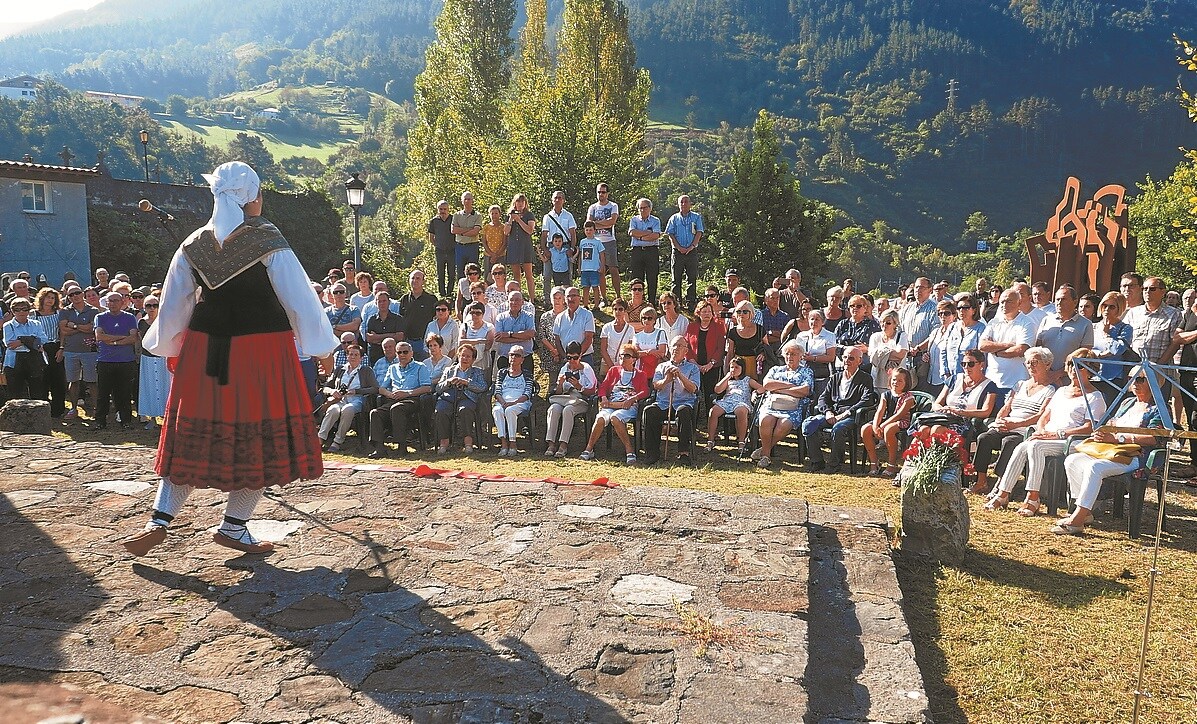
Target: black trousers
{"type": "Point", "coordinates": [55, 380]}
{"type": "Point", "coordinates": [654, 420]}
{"type": "Point", "coordinates": [401, 414]}
{"type": "Point", "coordinates": [646, 265]}
{"type": "Point", "coordinates": [26, 378]}
{"type": "Point", "coordinates": [992, 441]}
{"type": "Point", "coordinates": [444, 271]}
{"type": "Point", "coordinates": [117, 380]}
{"type": "Point", "coordinates": [687, 265]}
{"type": "Point", "coordinates": [466, 412]}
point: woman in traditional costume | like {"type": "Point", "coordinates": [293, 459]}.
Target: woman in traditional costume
{"type": "Point", "coordinates": [238, 418]}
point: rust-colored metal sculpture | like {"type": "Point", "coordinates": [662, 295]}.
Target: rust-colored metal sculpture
{"type": "Point", "coordinates": [1086, 245]}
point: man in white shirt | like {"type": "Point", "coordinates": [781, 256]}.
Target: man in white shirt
{"type": "Point", "coordinates": [1027, 307]}
{"type": "Point", "coordinates": [1004, 341]}
{"type": "Point", "coordinates": [605, 215]}
{"type": "Point", "coordinates": [556, 221]}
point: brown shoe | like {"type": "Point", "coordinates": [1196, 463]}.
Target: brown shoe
{"type": "Point", "coordinates": [224, 540]}
{"type": "Point", "coordinates": [141, 543]}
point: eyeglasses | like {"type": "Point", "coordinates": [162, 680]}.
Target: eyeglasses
{"type": "Point", "coordinates": [711, 296]}
{"type": "Point", "coordinates": [647, 317]}
{"type": "Point", "coordinates": [626, 355]}
{"type": "Point", "coordinates": [963, 306]}
{"type": "Point", "coordinates": [573, 356]}
{"type": "Point", "coordinates": [473, 274]}
{"type": "Point", "coordinates": [499, 273]}
{"type": "Point", "coordinates": [970, 364]}
{"type": "Point", "coordinates": [515, 354]}
{"type": "Point", "coordinates": [476, 293]}
{"type": "Point", "coordinates": [637, 289]}
{"type": "Point", "coordinates": [475, 311]}
{"type": "Point", "coordinates": [339, 292]}
{"type": "Point", "coordinates": [403, 351]}
{"type": "Point", "coordinates": [442, 309]}
{"type": "Point", "coordinates": [941, 314]}
{"type": "Point", "coordinates": [743, 311]}
{"type": "Point", "coordinates": [151, 306]}
{"type": "Point", "coordinates": [855, 306]}
{"type": "Point", "coordinates": [74, 293]}
{"type": "Point", "coordinates": [621, 309]}
{"type": "Point", "coordinates": [138, 296]}
{"type": "Point", "coordinates": [666, 304]}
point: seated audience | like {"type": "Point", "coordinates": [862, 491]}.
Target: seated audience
{"type": "Point", "coordinates": [457, 390]}
{"type": "Point", "coordinates": [513, 397]}
{"type": "Point", "coordinates": [1024, 407]}
{"type": "Point", "coordinates": [736, 389]}
{"type": "Point", "coordinates": [619, 396]}
{"type": "Point", "coordinates": [576, 386]}
{"type": "Point", "coordinates": [676, 382]}
{"type": "Point", "coordinates": [846, 393]}
{"type": "Point", "coordinates": [968, 398]}
{"type": "Point", "coordinates": [893, 415]}
{"type": "Point", "coordinates": [345, 397]}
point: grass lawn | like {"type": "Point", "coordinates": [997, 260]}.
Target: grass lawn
{"type": "Point", "coordinates": [1032, 628]}
{"type": "Point", "coordinates": [279, 146]}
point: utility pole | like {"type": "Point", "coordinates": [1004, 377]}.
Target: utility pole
{"type": "Point", "coordinates": [953, 89]}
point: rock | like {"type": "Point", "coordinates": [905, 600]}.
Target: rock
{"type": "Point", "coordinates": [642, 590]}
{"type": "Point", "coordinates": [936, 525]}
{"type": "Point", "coordinates": [584, 511]}
{"type": "Point", "coordinates": [122, 487]}
{"type": "Point", "coordinates": [470, 673]}
{"type": "Point", "coordinates": [26, 498]}
{"type": "Point", "coordinates": [146, 637]}
{"type": "Point", "coordinates": [645, 676]}
{"type": "Point", "coordinates": [28, 417]}
{"type": "Point", "coordinates": [310, 612]}
{"type": "Point", "coordinates": [775, 596]}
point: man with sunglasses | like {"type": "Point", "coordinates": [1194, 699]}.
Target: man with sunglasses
{"type": "Point", "coordinates": [77, 332]}
{"type": "Point", "coordinates": [400, 390]}
{"type": "Point", "coordinates": [341, 315]}
{"type": "Point", "coordinates": [1154, 323]}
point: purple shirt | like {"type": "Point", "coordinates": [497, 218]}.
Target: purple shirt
{"type": "Point", "coordinates": [118, 325]}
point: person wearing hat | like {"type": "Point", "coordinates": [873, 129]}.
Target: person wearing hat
{"type": "Point", "coordinates": [732, 279]}
{"type": "Point", "coordinates": [235, 305]}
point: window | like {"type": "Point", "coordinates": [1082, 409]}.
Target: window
{"type": "Point", "coordinates": [35, 197]}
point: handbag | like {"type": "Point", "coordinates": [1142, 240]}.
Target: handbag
{"type": "Point", "coordinates": [927, 419]}
{"type": "Point", "coordinates": [782, 402]}
{"type": "Point", "coordinates": [1122, 453]}
{"type": "Point", "coordinates": [567, 398]}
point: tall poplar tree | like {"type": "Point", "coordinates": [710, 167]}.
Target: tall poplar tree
{"type": "Point", "coordinates": [762, 223]}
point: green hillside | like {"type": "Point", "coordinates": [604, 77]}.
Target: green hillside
{"type": "Point", "coordinates": [280, 146]}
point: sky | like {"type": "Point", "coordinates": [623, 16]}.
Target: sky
{"type": "Point", "coordinates": [32, 12]}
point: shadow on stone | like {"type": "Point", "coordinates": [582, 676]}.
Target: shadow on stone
{"type": "Point", "coordinates": [836, 653]}
{"type": "Point", "coordinates": [419, 662]}
{"type": "Point", "coordinates": [917, 577]}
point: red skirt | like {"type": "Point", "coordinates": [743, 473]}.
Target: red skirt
{"type": "Point", "coordinates": [254, 432]}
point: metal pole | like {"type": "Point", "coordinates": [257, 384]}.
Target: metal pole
{"type": "Point", "coordinates": [145, 161]}
{"type": "Point", "coordinates": [357, 241]}
{"type": "Point", "coordinates": [1140, 694]}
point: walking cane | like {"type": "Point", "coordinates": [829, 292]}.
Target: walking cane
{"type": "Point", "coordinates": [668, 418]}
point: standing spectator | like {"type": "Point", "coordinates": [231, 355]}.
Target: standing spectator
{"type": "Point", "coordinates": [574, 324]}
{"type": "Point", "coordinates": [102, 277]}
{"type": "Point", "coordinates": [496, 291]}
{"type": "Point", "coordinates": [494, 240]}
{"type": "Point", "coordinates": [383, 325]}
{"type": "Point", "coordinates": [480, 334]}
{"type": "Point", "coordinates": [24, 358]}
{"type": "Point", "coordinates": [685, 232]}
{"type": "Point", "coordinates": [1089, 307]}
{"type": "Point", "coordinates": [417, 308]}
{"type": "Point", "coordinates": [1111, 339]}
{"type": "Point", "coordinates": [918, 320]}
{"type": "Point", "coordinates": [981, 296]}
{"type": "Point", "coordinates": [792, 294]}
{"type": "Point", "coordinates": [708, 338]}
{"type": "Point", "coordinates": [1028, 308]}
{"type": "Point", "coordinates": [939, 292]}
{"type": "Point", "coordinates": [773, 320]}
{"type": "Point", "coordinates": [1064, 331]}
{"type": "Point", "coordinates": [342, 316]}
{"type": "Point", "coordinates": [1041, 298]}
{"type": "Point", "coordinates": [615, 334]}
{"type": "Point", "coordinates": [365, 291]}
{"type": "Point", "coordinates": [76, 331]}
{"type": "Point", "coordinates": [515, 326]}
{"type": "Point", "coordinates": [645, 231]}
{"type": "Point", "coordinates": [1131, 286]}
{"type": "Point", "coordinates": [650, 342]}
{"type": "Point", "coordinates": [671, 321]}
{"type": "Point", "coordinates": [833, 313]}
{"type": "Point", "coordinates": [676, 382]}
{"type": "Point", "coordinates": [446, 326]}
{"type": "Point", "coordinates": [856, 329]}
{"type": "Point", "coordinates": [116, 364]}
{"type": "Point", "coordinates": [467, 225]}
{"type": "Point", "coordinates": [745, 339]}
{"type": "Point", "coordinates": [1005, 340]}
{"type": "Point", "coordinates": [818, 348]}
{"type": "Point", "coordinates": [556, 221]}
{"type": "Point", "coordinates": [444, 243]}
{"type": "Point", "coordinates": [47, 311]}
{"type": "Point", "coordinates": [519, 228]}
{"type": "Point", "coordinates": [964, 334]}
{"type": "Point", "coordinates": [1154, 322]}
{"type": "Point", "coordinates": [465, 286]}
{"type": "Point", "coordinates": [590, 263]}
{"type": "Point", "coordinates": [154, 378]}
{"type": "Point", "coordinates": [545, 346]}
{"type": "Point", "coordinates": [936, 353]}
{"type": "Point", "coordinates": [638, 303]}
{"type": "Point", "coordinates": [605, 215]}
{"type": "Point", "coordinates": [1185, 338]}
{"type": "Point", "coordinates": [560, 259]}
{"type": "Point", "coordinates": [371, 308]}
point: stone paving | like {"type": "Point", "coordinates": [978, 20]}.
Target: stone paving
{"type": "Point", "coordinates": [396, 599]}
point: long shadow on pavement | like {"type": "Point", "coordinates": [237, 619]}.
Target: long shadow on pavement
{"type": "Point", "coordinates": [835, 652]}
{"type": "Point", "coordinates": [386, 642]}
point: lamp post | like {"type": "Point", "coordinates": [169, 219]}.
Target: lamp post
{"type": "Point", "coordinates": [145, 158]}
{"type": "Point", "coordinates": [355, 193]}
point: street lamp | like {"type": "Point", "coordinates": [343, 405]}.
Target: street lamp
{"type": "Point", "coordinates": [145, 159]}
{"type": "Point", "coordinates": [355, 193]}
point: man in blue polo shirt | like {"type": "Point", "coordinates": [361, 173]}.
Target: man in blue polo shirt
{"type": "Point", "coordinates": [399, 391]}
{"type": "Point", "coordinates": [645, 230]}
{"type": "Point", "coordinates": [514, 326]}
{"type": "Point", "coordinates": [685, 231]}
{"type": "Point", "coordinates": [575, 324]}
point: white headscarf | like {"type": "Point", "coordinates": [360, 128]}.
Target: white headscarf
{"type": "Point", "coordinates": [234, 184]}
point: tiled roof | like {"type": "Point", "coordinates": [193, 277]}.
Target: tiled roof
{"type": "Point", "coordinates": [24, 166]}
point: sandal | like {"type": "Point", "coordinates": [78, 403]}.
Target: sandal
{"type": "Point", "coordinates": [1084, 521]}
{"type": "Point", "coordinates": [996, 502]}
{"type": "Point", "coordinates": [549, 452]}
{"type": "Point", "coordinates": [742, 450]}
{"type": "Point", "coordinates": [974, 490]}
{"type": "Point", "coordinates": [560, 452]}
{"type": "Point", "coordinates": [890, 471]}
{"type": "Point", "coordinates": [586, 455]}
{"type": "Point", "coordinates": [630, 459]}
{"type": "Point", "coordinates": [874, 471]}
{"type": "Point", "coordinates": [710, 446]}
{"type": "Point", "coordinates": [1029, 509]}
{"type": "Point", "coordinates": [1066, 529]}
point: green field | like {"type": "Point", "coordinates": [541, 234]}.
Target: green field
{"type": "Point", "coordinates": [280, 146]}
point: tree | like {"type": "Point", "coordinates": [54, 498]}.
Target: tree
{"type": "Point", "coordinates": [761, 222]}
{"type": "Point", "coordinates": [1161, 218]}
{"type": "Point", "coordinates": [252, 150]}
{"type": "Point", "coordinates": [176, 106]}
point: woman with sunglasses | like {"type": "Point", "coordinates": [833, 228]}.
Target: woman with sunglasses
{"type": "Point", "coordinates": [480, 334]}
{"type": "Point", "coordinates": [457, 390]}
{"type": "Point", "coordinates": [47, 311]}
{"type": "Point", "coordinates": [945, 311]}
{"type": "Point", "coordinates": [513, 397]}
{"type": "Point", "coordinates": [496, 291]}
{"type": "Point", "coordinates": [964, 334]}
{"type": "Point", "coordinates": [650, 342]}
{"type": "Point", "coordinates": [1111, 339]}
{"type": "Point", "coordinates": [887, 349]}
{"type": "Point", "coordinates": [637, 304]}
{"type": "Point", "coordinates": [446, 326]}
{"type": "Point", "coordinates": [745, 339]}
{"type": "Point", "coordinates": [969, 397]}
{"type": "Point", "coordinates": [834, 311]}
{"type": "Point", "coordinates": [619, 396]}
{"type": "Point", "coordinates": [1072, 410]}
{"type": "Point", "coordinates": [465, 286]}
{"type": "Point", "coordinates": [1086, 473]}
{"type": "Point", "coordinates": [153, 382]}
{"type": "Point", "coordinates": [576, 385]}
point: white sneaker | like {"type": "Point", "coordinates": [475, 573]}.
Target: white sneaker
{"type": "Point", "coordinates": [756, 454]}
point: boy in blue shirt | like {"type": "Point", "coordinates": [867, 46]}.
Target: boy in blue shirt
{"type": "Point", "coordinates": [590, 263]}
{"type": "Point", "coordinates": [560, 261]}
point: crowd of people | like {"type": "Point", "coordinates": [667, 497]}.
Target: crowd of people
{"type": "Point", "coordinates": [430, 367]}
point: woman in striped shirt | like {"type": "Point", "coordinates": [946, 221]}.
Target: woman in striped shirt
{"type": "Point", "coordinates": [47, 307]}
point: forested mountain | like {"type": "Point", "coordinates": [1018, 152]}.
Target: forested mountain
{"type": "Point", "coordinates": [916, 112]}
